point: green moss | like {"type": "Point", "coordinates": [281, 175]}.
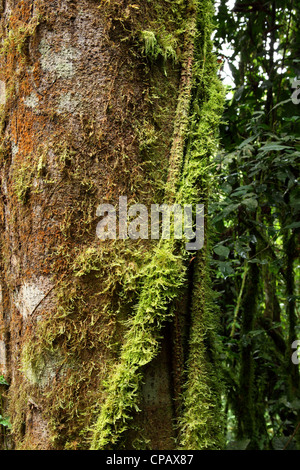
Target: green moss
{"type": "Point", "coordinates": [154, 47]}
{"type": "Point", "coordinates": [56, 360]}
{"type": "Point", "coordinates": [247, 425]}
{"type": "Point", "coordinates": [163, 277]}
{"type": "Point", "coordinates": [42, 369]}
{"type": "Point", "coordinates": [29, 171]}
{"type": "Point", "coordinates": [23, 182]}
{"type": "Point", "coordinates": [17, 37]}
{"type": "Point", "coordinates": [200, 426]}
{"type": "Point", "coordinates": [201, 423]}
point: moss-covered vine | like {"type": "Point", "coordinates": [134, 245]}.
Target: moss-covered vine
{"type": "Point", "coordinates": [201, 98]}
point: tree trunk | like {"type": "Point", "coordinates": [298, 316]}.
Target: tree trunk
{"type": "Point", "coordinates": [97, 100]}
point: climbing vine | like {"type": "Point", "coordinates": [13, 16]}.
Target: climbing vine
{"type": "Point", "coordinates": [199, 107]}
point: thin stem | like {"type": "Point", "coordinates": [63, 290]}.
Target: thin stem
{"type": "Point", "coordinates": [239, 300]}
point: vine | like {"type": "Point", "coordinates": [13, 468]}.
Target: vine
{"type": "Point", "coordinates": [164, 275]}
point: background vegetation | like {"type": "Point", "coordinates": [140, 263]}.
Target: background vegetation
{"type": "Point", "coordinates": [255, 215]}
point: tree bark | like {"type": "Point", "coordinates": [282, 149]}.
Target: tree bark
{"type": "Point", "coordinates": [89, 115]}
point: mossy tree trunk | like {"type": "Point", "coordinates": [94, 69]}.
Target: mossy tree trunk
{"type": "Point", "coordinates": [98, 97]}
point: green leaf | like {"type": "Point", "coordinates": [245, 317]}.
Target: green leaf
{"type": "Point", "coordinates": [279, 443]}
{"type": "Point", "coordinates": [256, 332]}
{"type": "Point", "coordinates": [230, 208]}
{"type": "Point", "coordinates": [273, 148]}
{"type": "Point", "coordinates": [4, 422]}
{"type": "Point", "coordinates": [225, 268]}
{"type": "Point", "coordinates": [247, 141]}
{"type": "Point", "coordinates": [258, 261]}
{"type": "Point", "coordinates": [295, 404]}
{"type": "Point", "coordinates": [281, 103]}
{"type": "Point", "coordinates": [3, 381]}
{"type": "Point", "coordinates": [293, 225]}
{"type": "Point", "coordinates": [242, 190]}
{"type": "Point", "coordinates": [222, 250]}
{"type": "Point", "coordinates": [250, 203]}
{"type": "Point", "coordinates": [291, 119]}
{"type": "Point", "coordinates": [227, 188]}
{"type": "Point", "coordinates": [241, 444]}
{"type": "Point", "coordinates": [239, 92]}
{"type": "Point", "coordinates": [241, 249]}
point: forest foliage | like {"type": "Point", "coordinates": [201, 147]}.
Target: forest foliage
{"type": "Point", "coordinates": [255, 215]}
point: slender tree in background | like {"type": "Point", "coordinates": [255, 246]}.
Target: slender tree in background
{"type": "Point", "coordinates": [105, 344]}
